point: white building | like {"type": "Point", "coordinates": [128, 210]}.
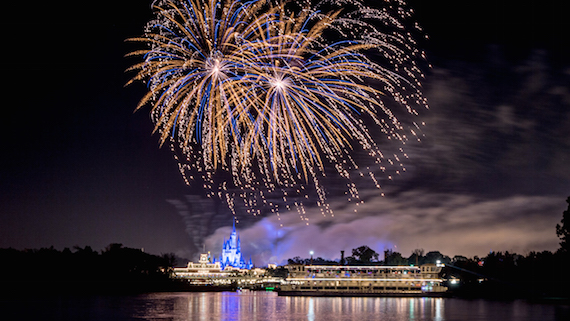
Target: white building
{"type": "Point", "coordinates": [204, 268]}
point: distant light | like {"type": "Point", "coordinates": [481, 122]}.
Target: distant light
{"type": "Point", "coordinates": [311, 252]}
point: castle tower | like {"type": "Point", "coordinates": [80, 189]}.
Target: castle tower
{"type": "Point", "coordinates": [231, 253]}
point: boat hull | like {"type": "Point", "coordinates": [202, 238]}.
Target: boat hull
{"type": "Point", "coordinates": [363, 294]}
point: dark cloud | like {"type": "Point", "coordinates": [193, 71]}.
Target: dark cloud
{"type": "Point", "coordinates": [503, 122]}
{"type": "Point", "coordinates": [452, 224]}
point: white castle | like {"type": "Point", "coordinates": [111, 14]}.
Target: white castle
{"type": "Point", "coordinates": [231, 253]}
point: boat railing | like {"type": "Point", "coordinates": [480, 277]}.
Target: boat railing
{"type": "Point", "coordinates": [352, 276]}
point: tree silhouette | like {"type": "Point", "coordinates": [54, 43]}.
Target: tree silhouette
{"type": "Point", "coordinates": [563, 229]}
{"type": "Point", "coordinates": [434, 256]}
{"type": "Point", "coordinates": [364, 254]}
{"type": "Point", "coordinates": [417, 257]}
{"type": "Point", "coordinates": [394, 258]}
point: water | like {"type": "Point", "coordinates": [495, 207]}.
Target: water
{"type": "Point", "coordinates": [253, 306]}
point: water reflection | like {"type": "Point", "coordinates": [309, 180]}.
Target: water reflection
{"type": "Point", "coordinates": [438, 309]}
{"type": "Point", "coordinates": [260, 306]}
{"type": "Point", "coordinates": [311, 314]}
{"type": "Point", "coordinates": [253, 306]}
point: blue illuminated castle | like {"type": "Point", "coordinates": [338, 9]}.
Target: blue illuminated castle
{"type": "Point", "coordinates": [231, 253]}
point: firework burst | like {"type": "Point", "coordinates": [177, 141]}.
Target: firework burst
{"type": "Point", "coordinates": [273, 93]}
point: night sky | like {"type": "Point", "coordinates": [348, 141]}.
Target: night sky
{"type": "Point", "coordinates": [79, 168]}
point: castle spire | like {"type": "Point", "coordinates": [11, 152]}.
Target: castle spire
{"type": "Point", "coordinates": [231, 253]}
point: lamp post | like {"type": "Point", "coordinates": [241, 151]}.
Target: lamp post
{"type": "Point", "coordinates": [311, 252]}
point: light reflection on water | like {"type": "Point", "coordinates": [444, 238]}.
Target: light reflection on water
{"type": "Point", "coordinates": [257, 306]}
{"type": "Point", "coordinates": [261, 306]}
{"type": "Point", "coordinates": [253, 306]}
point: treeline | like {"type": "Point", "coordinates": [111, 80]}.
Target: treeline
{"type": "Point", "coordinates": [364, 255]}
{"type": "Point", "coordinates": [114, 269]}
{"type": "Point", "coordinates": [510, 275]}
{"type": "Point", "coordinates": [536, 275]}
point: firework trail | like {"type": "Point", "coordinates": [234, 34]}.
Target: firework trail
{"type": "Point", "coordinates": [275, 93]}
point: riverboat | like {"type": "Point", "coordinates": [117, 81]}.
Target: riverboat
{"type": "Point", "coordinates": [348, 280]}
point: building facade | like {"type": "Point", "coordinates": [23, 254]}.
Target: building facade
{"type": "Point", "coordinates": [203, 269]}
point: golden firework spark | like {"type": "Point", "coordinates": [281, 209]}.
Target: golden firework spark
{"type": "Point", "coordinates": [260, 90]}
